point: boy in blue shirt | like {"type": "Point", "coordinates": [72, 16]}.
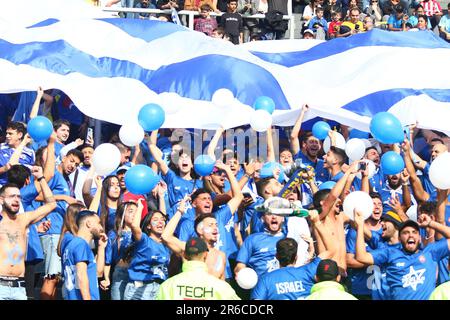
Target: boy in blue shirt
{"type": "Point", "coordinates": [411, 269]}
{"type": "Point", "coordinates": [79, 265]}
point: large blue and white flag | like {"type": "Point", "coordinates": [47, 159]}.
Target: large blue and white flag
{"type": "Point", "coordinates": [112, 67]}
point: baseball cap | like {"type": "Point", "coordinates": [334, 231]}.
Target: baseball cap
{"type": "Point", "coordinates": [122, 168]}
{"type": "Point", "coordinates": [392, 217]}
{"type": "Point", "coordinates": [308, 31]}
{"type": "Point", "coordinates": [327, 270]}
{"type": "Point", "coordinates": [275, 205]}
{"type": "Point", "coordinates": [409, 223]}
{"type": "Point", "coordinates": [195, 246]}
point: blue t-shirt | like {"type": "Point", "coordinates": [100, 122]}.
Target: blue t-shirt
{"type": "Point", "coordinates": [377, 181]}
{"type": "Point", "coordinates": [361, 278]}
{"type": "Point", "coordinates": [387, 193]}
{"type": "Point", "coordinates": [258, 252]}
{"type": "Point", "coordinates": [178, 187]}
{"type": "Point", "coordinates": [34, 247]}
{"type": "Point", "coordinates": [59, 186]}
{"type": "Point", "coordinates": [396, 23]}
{"type": "Point", "coordinates": [411, 276]}
{"type": "Point", "coordinates": [321, 173]}
{"type": "Point", "coordinates": [380, 287]}
{"type": "Point", "coordinates": [116, 247]}
{"type": "Point", "coordinates": [150, 260]}
{"type": "Point", "coordinates": [26, 158]}
{"type": "Point", "coordinates": [426, 183]}
{"type": "Point", "coordinates": [75, 251]}
{"type": "Point", "coordinates": [288, 283]}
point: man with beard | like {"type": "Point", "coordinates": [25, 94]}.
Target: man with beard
{"type": "Point", "coordinates": [207, 229]}
{"type": "Point", "coordinates": [333, 161]}
{"type": "Point", "coordinates": [13, 236]}
{"type": "Point", "coordinates": [397, 189]}
{"type": "Point", "coordinates": [377, 181]}
{"type": "Point", "coordinates": [360, 273]}
{"type": "Point", "coordinates": [411, 269]}
{"type": "Point", "coordinates": [390, 224]}
{"type": "Point", "coordinates": [80, 267]}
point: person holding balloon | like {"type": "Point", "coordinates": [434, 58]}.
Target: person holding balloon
{"type": "Point", "coordinates": [180, 182]}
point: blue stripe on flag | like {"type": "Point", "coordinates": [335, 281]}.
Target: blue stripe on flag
{"type": "Point", "coordinates": [190, 78]}
{"type": "Point", "coordinates": [44, 23]}
{"type": "Point", "coordinates": [374, 38]}
{"type": "Point", "coordinates": [380, 101]}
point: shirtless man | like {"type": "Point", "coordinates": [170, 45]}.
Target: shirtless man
{"type": "Point", "coordinates": [13, 235]}
{"type": "Point", "coordinates": [329, 205]}
{"type": "Point", "coordinates": [207, 228]}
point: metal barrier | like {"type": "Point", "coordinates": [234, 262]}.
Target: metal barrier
{"type": "Point", "coordinates": [192, 14]}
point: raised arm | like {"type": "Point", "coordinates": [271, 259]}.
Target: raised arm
{"type": "Point", "coordinates": [98, 193]}
{"type": "Point", "coordinates": [236, 192]}
{"type": "Point", "coordinates": [102, 241]}
{"type": "Point", "coordinates": [213, 143]}
{"type": "Point", "coordinates": [407, 201]}
{"type": "Point", "coordinates": [156, 152]}
{"type": "Point", "coordinates": [419, 193]}
{"type": "Point", "coordinates": [295, 145]}
{"type": "Point", "coordinates": [361, 253]}
{"type": "Point", "coordinates": [176, 245]}
{"type": "Point", "coordinates": [50, 202]}
{"type": "Point", "coordinates": [270, 148]}
{"type": "Point", "coordinates": [134, 221]}
{"type": "Point", "coordinates": [50, 162]}
{"type": "Point", "coordinates": [37, 101]}
{"type": "Point", "coordinates": [425, 221]}
{"type": "Point", "coordinates": [86, 190]}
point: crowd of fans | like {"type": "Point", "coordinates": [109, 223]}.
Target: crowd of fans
{"type": "Point", "coordinates": [88, 237]}
{"type": "Point", "coordinates": [321, 19]}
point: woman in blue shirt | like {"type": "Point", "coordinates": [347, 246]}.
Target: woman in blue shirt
{"type": "Point", "coordinates": [150, 257]}
{"type": "Point", "coordinates": [119, 240]}
{"type": "Point", "coordinates": [109, 201]}
{"type": "Point", "coordinates": [180, 179]}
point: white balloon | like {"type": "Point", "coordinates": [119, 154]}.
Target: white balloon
{"type": "Point", "coordinates": [106, 158]}
{"type": "Point", "coordinates": [247, 278]}
{"type": "Point", "coordinates": [366, 142]}
{"type": "Point", "coordinates": [355, 149]}
{"type": "Point", "coordinates": [223, 97]}
{"type": "Point", "coordinates": [340, 142]}
{"type": "Point", "coordinates": [131, 134]}
{"type": "Point", "coordinates": [412, 213]}
{"type": "Point", "coordinates": [440, 171]}
{"type": "Point", "coordinates": [358, 200]}
{"type": "Point", "coordinates": [372, 169]}
{"type": "Point", "coordinates": [261, 120]}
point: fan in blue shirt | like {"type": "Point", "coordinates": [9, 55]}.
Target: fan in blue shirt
{"type": "Point", "coordinates": [411, 269]}
{"type": "Point", "coordinates": [78, 262]}
{"type": "Point", "coordinates": [290, 282]}
{"type": "Point", "coordinates": [180, 180]}
{"type": "Point", "coordinates": [150, 257]}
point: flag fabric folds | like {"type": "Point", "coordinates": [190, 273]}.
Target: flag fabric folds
{"type": "Point", "coordinates": [112, 67]}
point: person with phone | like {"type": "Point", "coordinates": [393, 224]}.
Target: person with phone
{"type": "Point", "coordinates": [352, 26]}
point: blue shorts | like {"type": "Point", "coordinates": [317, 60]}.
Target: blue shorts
{"type": "Point", "coordinates": [52, 262]}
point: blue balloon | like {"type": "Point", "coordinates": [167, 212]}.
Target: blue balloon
{"type": "Point", "coordinates": [268, 168]}
{"type": "Point", "coordinates": [386, 128]}
{"type": "Point", "coordinates": [141, 179]}
{"type": "Point", "coordinates": [320, 130]}
{"type": "Point", "coordinates": [355, 133]}
{"type": "Point", "coordinates": [327, 185]}
{"type": "Point", "coordinates": [392, 163]}
{"type": "Point", "coordinates": [151, 117]}
{"type": "Point", "coordinates": [264, 103]}
{"type": "Point", "coordinates": [204, 165]}
{"type": "Point", "coordinates": [40, 128]}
